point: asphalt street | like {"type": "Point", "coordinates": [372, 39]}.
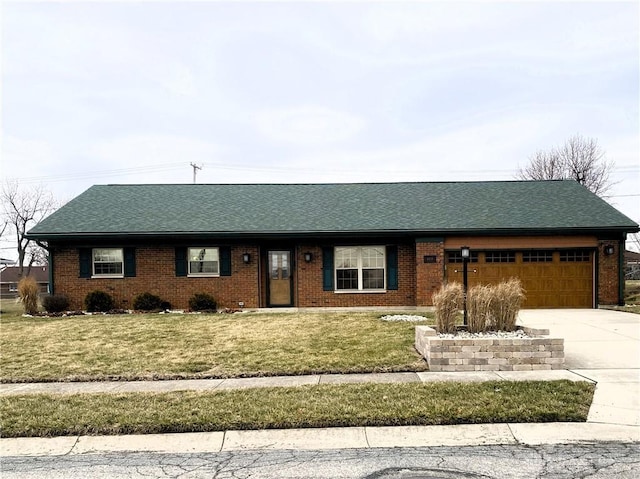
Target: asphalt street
{"type": "Point", "coordinates": [593, 460]}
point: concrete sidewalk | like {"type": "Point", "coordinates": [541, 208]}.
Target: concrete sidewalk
{"type": "Point", "coordinates": [280, 381]}
{"type": "Point", "coordinates": [600, 346]}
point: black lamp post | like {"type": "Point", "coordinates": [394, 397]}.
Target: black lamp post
{"type": "Point", "coordinates": [465, 252]}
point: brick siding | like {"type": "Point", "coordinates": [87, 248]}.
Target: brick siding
{"type": "Point", "coordinates": [429, 276]}
{"type": "Point", "coordinates": [155, 273]}
{"type": "Point", "coordinates": [608, 272]}
{"type": "Point", "coordinates": [420, 274]}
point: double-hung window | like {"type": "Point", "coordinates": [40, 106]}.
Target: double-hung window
{"type": "Point", "coordinates": [360, 268]}
{"type": "Point", "coordinates": [204, 262]}
{"type": "Point", "coordinates": [108, 262]}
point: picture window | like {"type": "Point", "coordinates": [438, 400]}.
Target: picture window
{"type": "Point", "coordinates": [360, 268]}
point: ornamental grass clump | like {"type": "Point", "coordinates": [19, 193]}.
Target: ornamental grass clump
{"type": "Point", "coordinates": [508, 298]}
{"type": "Point", "coordinates": [28, 291]}
{"type": "Point", "coordinates": [448, 301]}
{"type": "Point", "coordinates": [479, 308]}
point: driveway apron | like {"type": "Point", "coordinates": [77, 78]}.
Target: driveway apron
{"type": "Point", "coordinates": [603, 346]}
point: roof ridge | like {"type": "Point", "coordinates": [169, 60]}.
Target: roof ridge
{"type": "Point", "coordinates": [343, 183]}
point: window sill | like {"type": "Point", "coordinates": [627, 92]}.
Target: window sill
{"type": "Point", "coordinates": [358, 291]}
{"type": "Point", "coordinates": [203, 275]}
{"type": "Point", "coordinates": [107, 276]}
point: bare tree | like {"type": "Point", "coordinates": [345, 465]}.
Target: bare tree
{"type": "Point", "coordinates": [22, 209]}
{"type": "Point", "coordinates": [579, 158]}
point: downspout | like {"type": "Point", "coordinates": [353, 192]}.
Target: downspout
{"type": "Point", "coordinates": [621, 268]}
{"type": "Point", "coordinates": [596, 280]}
{"type": "Point", "coordinates": [50, 261]}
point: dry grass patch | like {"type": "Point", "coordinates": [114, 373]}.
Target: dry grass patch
{"type": "Point", "coordinates": [307, 406]}
{"type": "Point", "coordinates": [145, 346]}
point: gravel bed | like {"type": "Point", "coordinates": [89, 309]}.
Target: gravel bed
{"type": "Point", "coordinates": [403, 317]}
{"type": "Point", "coordinates": [517, 334]}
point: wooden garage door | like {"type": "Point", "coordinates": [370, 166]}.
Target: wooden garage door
{"type": "Point", "coordinates": [551, 279]}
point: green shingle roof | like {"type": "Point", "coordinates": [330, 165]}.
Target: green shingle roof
{"type": "Point", "coordinates": [263, 209]}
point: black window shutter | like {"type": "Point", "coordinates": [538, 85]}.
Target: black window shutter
{"type": "Point", "coordinates": [129, 262]}
{"type": "Point", "coordinates": [327, 268]}
{"type": "Point", "coordinates": [392, 267]}
{"type": "Point", "coordinates": [85, 262]}
{"type": "Point", "coordinates": [225, 261]}
{"type": "Point", "coordinates": [181, 261]}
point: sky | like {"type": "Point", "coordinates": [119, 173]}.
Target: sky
{"type": "Point", "coordinates": [307, 92]}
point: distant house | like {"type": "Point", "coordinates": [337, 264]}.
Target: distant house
{"type": "Point", "coordinates": [336, 245]}
{"type": "Point", "coordinates": [632, 264]}
{"type": "Point", "coordinates": [10, 277]}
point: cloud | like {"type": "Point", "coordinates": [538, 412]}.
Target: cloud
{"type": "Point", "coordinates": [307, 125]}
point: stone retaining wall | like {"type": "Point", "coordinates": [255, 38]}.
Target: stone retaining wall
{"type": "Point", "coordinates": [537, 352]}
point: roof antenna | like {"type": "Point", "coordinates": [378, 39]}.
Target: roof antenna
{"type": "Point", "coordinates": [195, 168]}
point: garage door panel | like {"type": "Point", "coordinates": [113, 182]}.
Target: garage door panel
{"type": "Point", "coordinates": [547, 284]}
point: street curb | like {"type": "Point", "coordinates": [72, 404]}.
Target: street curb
{"type": "Point", "coordinates": [325, 438]}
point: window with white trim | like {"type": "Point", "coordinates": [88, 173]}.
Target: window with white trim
{"type": "Point", "coordinates": [204, 262]}
{"type": "Point", "coordinates": [360, 268]}
{"type": "Point", "coordinates": [108, 262]}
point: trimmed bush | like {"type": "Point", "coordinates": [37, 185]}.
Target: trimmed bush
{"type": "Point", "coordinates": [202, 302]}
{"type": "Point", "coordinates": [98, 301]}
{"type": "Point", "coordinates": [28, 291]}
{"type": "Point", "coordinates": [149, 302]}
{"type": "Point", "coordinates": [55, 303]}
{"type": "Point", "coordinates": [448, 301]}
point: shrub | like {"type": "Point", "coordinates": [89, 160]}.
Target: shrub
{"type": "Point", "coordinates": [448, 301]}
{"type": "Point", "coordinates": [508, 298]}
{"type": "Point", "coordinates": [149, 302]}
{"type": "Point", "coordinates": [479, 302]}
{"type": "Point", "coordinates": [98, 301]}
{"type": "Point", "coordinates": [28, 291]}
{"type": "Point", "coordinates": [202, 302]}
{"type": "Point", "coordinates": [55, 303]}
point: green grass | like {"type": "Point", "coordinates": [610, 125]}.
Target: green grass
{"type": "Point", "coordinates": [156, 346]}
{"type": "Point", "coordinates": [297, 407]}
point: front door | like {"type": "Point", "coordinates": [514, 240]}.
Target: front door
{"type": "Point", "coordinates": [279, 278]}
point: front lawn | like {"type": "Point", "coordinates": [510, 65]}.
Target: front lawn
{"type": "Point", "coordinates": [306, 406]}
{"type": "Point", "coordinates": [165, 346]}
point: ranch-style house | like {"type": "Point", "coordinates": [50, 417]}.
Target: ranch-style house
{"type": "Point", "coordinates": [336, 245]}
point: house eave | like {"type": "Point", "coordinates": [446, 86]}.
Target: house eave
{"type": "Point", "coordinates": [324, 234]}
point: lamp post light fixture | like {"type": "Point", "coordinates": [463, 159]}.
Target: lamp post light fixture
{"type": "Point", "coordinates": [608, 250]}
{"type": "Point", "coordinates": [308, 257]}
{"type": "Point", "coordinates": [246, 258]}
{"type": "Point", "coordinates": [465, 252]}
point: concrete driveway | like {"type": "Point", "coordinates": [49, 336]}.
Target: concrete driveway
{"type": "Point", "coordinates": [603, 346]}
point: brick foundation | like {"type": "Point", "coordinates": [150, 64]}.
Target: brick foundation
{"type": "Point", "coordinates": [539, 352]}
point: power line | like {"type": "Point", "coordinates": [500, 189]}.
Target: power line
{"type": "Point", "coordinates": [255, 168]}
